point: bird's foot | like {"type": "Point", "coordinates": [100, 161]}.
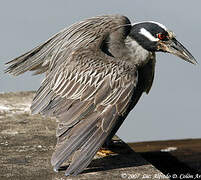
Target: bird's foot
{"type": "Point", "coordinates": [104, 152]}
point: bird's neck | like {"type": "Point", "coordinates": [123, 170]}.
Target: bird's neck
{"type": "Point", "coordinates": [138, 55]}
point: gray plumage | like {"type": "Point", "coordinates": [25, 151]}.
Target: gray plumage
{"type": "Point", "coordinates": [95, 74]}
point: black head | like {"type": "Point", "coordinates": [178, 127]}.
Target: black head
{"type": "Point", "coordinates": [154, 37]}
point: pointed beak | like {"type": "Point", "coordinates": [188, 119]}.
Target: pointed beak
{"type": "Point", "coordinates": [175, 47]}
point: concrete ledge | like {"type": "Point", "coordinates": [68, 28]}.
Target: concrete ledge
{"type": "Point", "coordinates": [27, 142]}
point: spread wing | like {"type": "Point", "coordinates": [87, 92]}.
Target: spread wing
{"type": "Point", "coordinates": [88, 100]}
{"type": "Point", "coordinates": [51, 54]}
{"type": "Point", "coordinates": [87, 97]}
{"type": "Point", "coordinates": [85, 88]}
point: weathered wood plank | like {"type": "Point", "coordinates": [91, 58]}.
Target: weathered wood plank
{"type": "Point", "coordinates": [181, 158]}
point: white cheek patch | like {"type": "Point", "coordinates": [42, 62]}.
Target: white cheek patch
{"type": "Point", "coordinates": [148, 35]}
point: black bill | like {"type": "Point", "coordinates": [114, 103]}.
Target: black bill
{"type": "Point", "coordinates": [175, 47]}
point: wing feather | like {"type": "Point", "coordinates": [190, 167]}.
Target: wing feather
{"type": "Point", "coordinates": [48, 55]}
{"type": "Point", "coordinates": [84, 156]}
{"type": "Point", "coordinates": [105, 102]}
{"type": "Point", "coordinates": [74, 140]}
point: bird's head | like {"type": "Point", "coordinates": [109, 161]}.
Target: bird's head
{"type": "Point", "coordinates": [155, 37]}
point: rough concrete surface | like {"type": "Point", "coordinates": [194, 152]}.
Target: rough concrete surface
{"type": "Point", "coordinates": [27, 142]}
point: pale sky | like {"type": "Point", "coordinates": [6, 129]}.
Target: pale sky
{"type": "Point", "coordinates": [172, 110]}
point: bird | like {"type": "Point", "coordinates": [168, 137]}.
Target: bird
{"type": "Point", "coordinates": [95, 70]}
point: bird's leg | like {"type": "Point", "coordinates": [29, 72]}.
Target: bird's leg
{"type": "Point", "coordinates": [105, 149]}
{"type": "Point", "coordinates": [108, 143]}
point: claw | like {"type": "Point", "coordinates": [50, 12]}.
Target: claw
{"type": "Point", "coordinates": [67, 174]}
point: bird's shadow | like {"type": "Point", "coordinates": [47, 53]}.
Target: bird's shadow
{"type": "Point", "coordinates": [109, 163]}
{"type": "Point", "coordinates": [123, 157]}
{"type": "Point", "coordinates": [171, 165]}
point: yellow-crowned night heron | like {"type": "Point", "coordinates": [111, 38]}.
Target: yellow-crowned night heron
{"type": "Point", "coordinates": [96, 71]}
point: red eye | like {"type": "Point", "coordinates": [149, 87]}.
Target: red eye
{"type": "Point", "coordinates": [162, 36]}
